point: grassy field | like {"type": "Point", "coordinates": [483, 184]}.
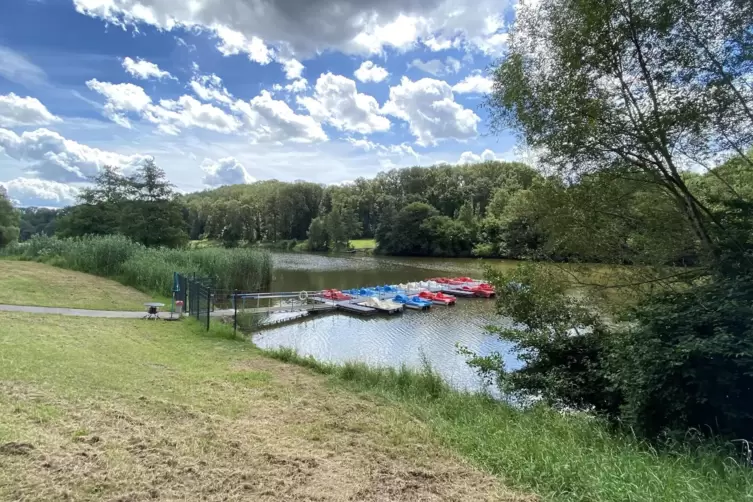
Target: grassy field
{"type": "Point", "coordinates": [112, 409]}
{"type": "Point", "coordinates": [363, 244]}
{"type": "Point", "coordinates": [32, 283]}
{"type": "Point", "coordinates": [567, 458]}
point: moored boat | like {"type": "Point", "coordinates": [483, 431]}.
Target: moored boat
{"type": "Point", "coordinates": [438, 298]}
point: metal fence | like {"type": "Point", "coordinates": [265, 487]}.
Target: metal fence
{"type": "Point", "coordinates": [196, 294]}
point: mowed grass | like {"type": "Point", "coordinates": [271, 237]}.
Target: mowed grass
{"type": "Point", "coordinates": [132, 410]}
{"type": "Point", "coordinates": [363, 244]}
{"type": "Point", "coordinates": [32, 283]}
{"type": "Point", "coordinates": [560, 457]}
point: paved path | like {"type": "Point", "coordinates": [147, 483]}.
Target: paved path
{"type": "Point", "coordinates": [116, 314]}
{"type": "Point", "coordinates": [72, 312]}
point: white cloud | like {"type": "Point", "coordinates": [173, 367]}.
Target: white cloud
{"type": "Point", "coordinates": [370, 72]}
{"type": "Point", "coordinates": [17, 68]}
{"type": "Point", "coordinates": [474, 84]}
{"type": "Point", "coordinates": [29, 192]}
{"type": "Point", "coordinates": [295, 87]}
{"type": "Point", "coordinates": [337, 102]}
{"type": "Point", "coordinates": [429, 107]}
{"type": "Point", "coordinates": [234, 42]}
{"type": "Point", "coordinates": [170, 116]}
{"type": "Point", "coordinates": [293, 68]}
{"type": "Point", "coordinates": [268, 119]}
{"type": "Point", "coordinates": [436, 67]}
{"type": "Point", "coordinates": [210, 88]}
{"type": "Point", "coordinates": [120, 98]}
{"type": "Point", "coordinates": [362, 27]}
{"type": "Point", "coordinates": [50, 156]}
{"type": "Point", "coordinates": [472, 158]}
{"type": "Point", "coordinates": [402, 149]}
{"type": "Point", "coordinates": [17, 111]}
{"type": "Point", "coordinates": [226, 171]}
{"type": "Point", "coordinates": [143, 69]}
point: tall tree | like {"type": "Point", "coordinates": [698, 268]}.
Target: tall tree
{"type": "Point", "coordinates": [650, 85]}
{"type": "Point", "coordinates": [9, 221]}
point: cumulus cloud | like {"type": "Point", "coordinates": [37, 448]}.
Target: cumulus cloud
{"type": "Point", "coordinates": [143, 69]}
{"type": "Point", "coordinates": [18, 111]}
{"type": "Point", "coordinates": [472, 158]}
{"type": "Point", "coordinates": [293, 68]}
{"type": "Point", "coordinates": [437, 67]}
{"type": "Point", "coordinates": [50, 156]}
{"type": "Point", "coordinates": [210, 88]}
{"type": "Point", "coordinates": [370, 72]}
{"type": "Point", "coordinates": [253, 27]}
{"type": "Point", "coordinates": [226, 171]}
{"type": "Point", "coordinates": [474, 84]}
{"type": "Point", "coordinates": [337, 102]}
{"type": "Point", "coordinates": [27, 192]}
{"type": "Point", "coordinates": [121, 98]}
{"type": "Point", "coordinates": [234, 42]}
{"type": "Point", "coordinates": [170, 116]}
{"type": "Point", "coordinates": [268, 119]}
{"type": "Point", "coordinates": [402, 149]}
{"type": "Point", "coordinates": [429, 107]}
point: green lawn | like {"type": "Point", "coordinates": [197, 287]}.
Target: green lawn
{"type": "Point", "coordinates": [117, 409]}
{"type": "Point", "coordinates": [363, 244]}
{"type": "Point", "coordinates": [33, 283]}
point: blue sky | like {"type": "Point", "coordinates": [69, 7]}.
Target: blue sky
{"type": "Point", "coordinates": [242, 90]}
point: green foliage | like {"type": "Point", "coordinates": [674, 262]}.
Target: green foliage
{"type": "Point", "coordinates": [9, 222]}
{"type": "Point", "coordinates": [562, 341]}
{"type": "Point", "coordinates": [407, 234]}
{"type": "Point", "coordinates": [38, 220]}
{"type": "Point", "coordinates": [341, 225]}
{"type": "Point", "coordinates": [317, 236]}
{"type": "Point", "coordinates": [140, 207]}
{"type": "Point", "coordinates": [151, 269]}
{"type": "Point", "coordinates": [587, 84]}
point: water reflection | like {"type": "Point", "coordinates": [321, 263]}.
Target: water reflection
{"type": "Point", "coordinates": [409, 338]}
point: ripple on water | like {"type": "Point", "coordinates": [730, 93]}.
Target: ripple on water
{"type": "Point", "coordinates": [410, 338]}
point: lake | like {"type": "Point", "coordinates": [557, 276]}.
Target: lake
{"type": "Point", "coordinates": [411, 338]}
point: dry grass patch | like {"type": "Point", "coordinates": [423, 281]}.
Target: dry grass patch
{"type": "Point", "coordinates": [103, 409]}
{"type": "Point", "coordinates": [32, 283]}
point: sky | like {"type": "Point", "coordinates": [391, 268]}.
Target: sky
{"type": "Point", "coordinates": [233, 91]}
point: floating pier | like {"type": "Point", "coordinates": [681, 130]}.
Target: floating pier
{"type": "Point", "coordinates": [287, 306]}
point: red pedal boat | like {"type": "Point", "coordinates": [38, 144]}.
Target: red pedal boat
{"type": "Point", "coordinates": [438, 298]}
{"type": "Point", "coordinates": [335, 294]}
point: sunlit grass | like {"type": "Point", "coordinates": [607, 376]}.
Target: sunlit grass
{"type": "Point", "coordinates": [363, 244]}
{"type": "Point", "coordinates": [561, 457]}
{"type": "Point", "coordinates": [31, 283]}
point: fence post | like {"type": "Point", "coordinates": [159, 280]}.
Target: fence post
{"type": "Point", "coordinates": [209, 306]}
{"type": "Point", "coordinates": [235, 312]}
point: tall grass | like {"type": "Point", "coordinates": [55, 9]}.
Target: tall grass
{"type": "Point", "coordinates": [149, 269]}
{"type": "Point", "coordinates": [561, 457]}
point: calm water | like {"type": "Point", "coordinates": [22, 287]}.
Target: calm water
{"type": "Point", "coordinates": [409, 338]}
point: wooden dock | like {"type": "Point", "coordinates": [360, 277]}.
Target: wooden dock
{"type": "Point", "coordinates": [351, 306]}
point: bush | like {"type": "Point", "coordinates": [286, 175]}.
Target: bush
{"type": "Point", "coordinates": [681, 361]}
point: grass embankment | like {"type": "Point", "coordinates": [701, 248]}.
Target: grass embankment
{"type": "Point", "coordinates": [31, 283]}
{"type": "Point", "coordinates": [559, 457]}
{"type": "Point", "coordinates": [149, 269]}
{"type": "Point", "coordinates": [117, 409]}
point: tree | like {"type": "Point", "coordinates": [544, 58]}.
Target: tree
{"type": "Point", "coordinates": [608, 85]}
{"type": "Point", "coordinates": [341, 225]}
{"type": "Point", "coordinates": [408, 235]}
{"type": "Point", "coordinates": [140, 207]}
{"type": "Point", "coordinates": [9, 221]}
{"type": "Point", "coordinates": [317, 235]}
